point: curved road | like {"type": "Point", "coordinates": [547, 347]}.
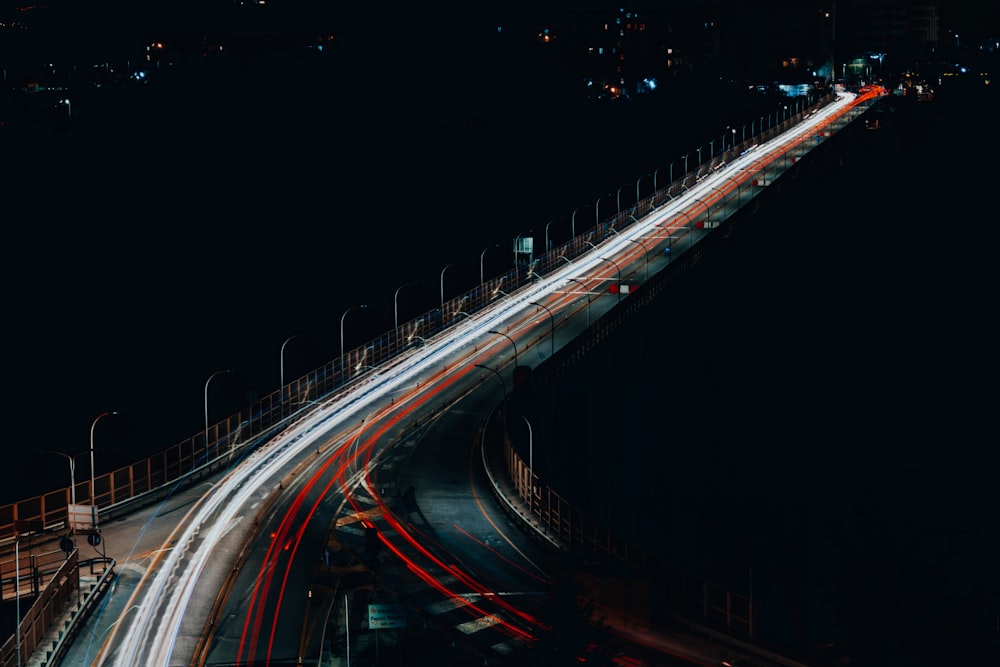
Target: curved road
{"type": "Point", "coordinates": [387, 474]}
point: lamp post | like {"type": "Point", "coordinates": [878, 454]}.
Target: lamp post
{"type": "Point", "coordinates": [531, 454]}
{"type": "Point", "coordinates": [281, 364]}
{"type": "Point", "coordinates": [618, 199]}
{"type": "Point", "coordinates": [645, 256]}
{"type": "Point", "coordinates": [482, 259]}
{"type": "Point", "coordinates": [395, 304]}
{"type": "Point", "coordinates": [615, 265]}
{"type": "Point", "coordinates": [442, 285]}
{"type": "Point", "coordinates": [19, 527]}
{"type": "Point", "coordinates": [72, 473]}
{"type": "Point", "coordinates": [206, 404]}
{"type": "Point", "coordinates": [93, 489]}
{"type": "Point", "coordinates": [347, 627]}
{"type": "Point", "coordinates": [597, 210]}
{"type": "Point", "coordinates": [572, 220]}
{"type": "Point", "coordinates": [547, 235]}
{"type": "Point", "coordinates": [686, 163]}
{"type": "Point", "coordinates": [361, 307]}
{"type": "Point", "coordinates": [17, 592]}
{"type": "Point", "coordinates": [587, 292]}
{"type": "Point", "coordinates": [619, 275]}
{"type": "Point", "coordinates": [500, 333]}
{"type": "Point", "coordinates": [552, 322]}
{"type": "Point", "coordinates": [497, 373]}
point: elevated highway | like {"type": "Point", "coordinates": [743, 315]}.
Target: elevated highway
{"type": "Point", "coordinates": [229, 567]}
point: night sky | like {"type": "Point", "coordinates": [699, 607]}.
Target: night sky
{"type": "Point", "coordinates": [196, 223]}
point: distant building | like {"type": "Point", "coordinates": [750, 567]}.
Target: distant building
{"type": "Point", "coordinates": [895, 32]}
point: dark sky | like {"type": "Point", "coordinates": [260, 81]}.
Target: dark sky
{"type": "Point", "coordinates": [195, 224]}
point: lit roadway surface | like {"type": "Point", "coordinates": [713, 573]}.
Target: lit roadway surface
{"type": "Point", "coordinates": [227, 580]}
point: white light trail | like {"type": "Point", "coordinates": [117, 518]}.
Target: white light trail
{"type": "Point", "coordinates": [162, 602]}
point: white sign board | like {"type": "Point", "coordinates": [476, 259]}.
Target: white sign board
{"type": "Point", "coordinates": [386, 616]}
{"type": "Point", "coordinates": [82, 518]}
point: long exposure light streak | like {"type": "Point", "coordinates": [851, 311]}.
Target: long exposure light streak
{"type": "Point", "coordinates": [163, 599]}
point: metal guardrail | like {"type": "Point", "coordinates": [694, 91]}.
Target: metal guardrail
{"type": "Point", "coordinates": [48, 602]}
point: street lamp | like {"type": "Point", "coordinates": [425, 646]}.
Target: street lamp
{"type": "Point", "coordinates": [587, 292]}
{"type": "Point", "coordinates": [206, 404]}
{"type": "Point", "coordinates": [72, 474]}
{"type": "Point", "coordinates": [572, 220]}
{"type": "Point", "coordinates": [395, 304]}
{"type": "Point", "coordinates": [482, 257]}
{"type": "Point", "coordinates": [552, 322]}
{"type": "Point", "coordinates": [361, 307]}
{"type": "Point", "coordinates": [442, 285]}
{"type": "Point", "coordinates": [497, 373]}
{"type": "Point", "coordinates": [281, 365]}
{"type": "Point", "coordinates": [615, 265]}
{"type": "Point", "coordinates": [645, 256]}
{"type": "Point", "coordinates": [93, 491]}
{"type": "Point", "coordinates": [500, 333]}
{"type": "Point", "coordinates": [597, 209]}
{"type": "Point", "coordinates": [618, 199]}
{"type": "Point", "coordinates": [17, 592]}
{"type": "Point", "coordinates": [619, 275]}
{"type": "Point", "coordinates": [531, 454]}
{"type": "Point", "coordinates": [547, 235]}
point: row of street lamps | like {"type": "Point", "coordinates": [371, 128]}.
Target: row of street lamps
{"type": "Point", "coordinates": [772, 119]}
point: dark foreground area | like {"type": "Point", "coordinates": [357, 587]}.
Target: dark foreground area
{"type": "Point", "coordinates": [803, 415]}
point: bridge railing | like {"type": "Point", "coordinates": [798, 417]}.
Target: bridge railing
{"type": "Point", "coordinates": [221, 444]}
{"type": "Point", "coordinates": [672, 590]}
{"type": "Point", "coordinates": [42, 607]}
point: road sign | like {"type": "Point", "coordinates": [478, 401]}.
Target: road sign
{"type": "Point", "coordinates": [386, 616]}
{"type": "Point", "coordinates": [82, 518]}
